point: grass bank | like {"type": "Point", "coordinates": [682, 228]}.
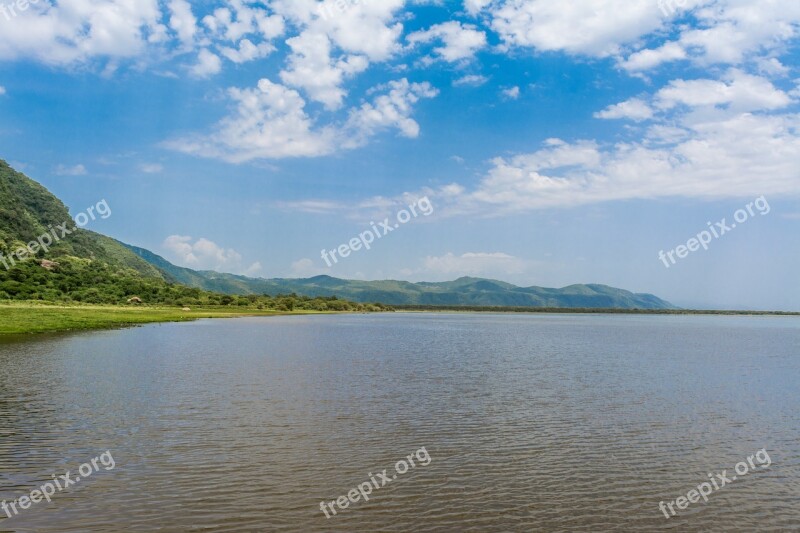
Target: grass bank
{"type": "Point", "coordinates": [19, 318]}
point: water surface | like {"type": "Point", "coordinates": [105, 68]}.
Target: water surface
{"type": "Point", "coordinates": [533, 423]}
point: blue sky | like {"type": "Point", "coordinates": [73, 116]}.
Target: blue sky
{"type": "Point", "coordinates": [558, 142]}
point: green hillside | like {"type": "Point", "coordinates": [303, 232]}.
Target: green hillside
{"type": "Point", "coordinates": [89, 268]}
{"type": "Point", "coordinates": [474, 292]}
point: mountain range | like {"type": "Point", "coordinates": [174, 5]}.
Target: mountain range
{"type": "Point", "coordinates": [27, 210]}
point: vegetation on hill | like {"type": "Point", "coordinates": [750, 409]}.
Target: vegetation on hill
{"type": "Point", "coordinates": [461, 292]}
{"type": "Point", "coordinates": [91, 268]}
{"type": "Point", "coordinates": [86, 267]}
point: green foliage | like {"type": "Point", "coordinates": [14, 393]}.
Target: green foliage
{"type": "Point", "coordinates": [93, 269]}
{"type": "Point", "coordinates": [95, 282]}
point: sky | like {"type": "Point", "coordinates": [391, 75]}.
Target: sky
{"type": "Point", "coordinates": [580, 141]}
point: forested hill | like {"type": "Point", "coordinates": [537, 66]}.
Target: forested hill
{"type": "Point", "coordinates": [89, 267]}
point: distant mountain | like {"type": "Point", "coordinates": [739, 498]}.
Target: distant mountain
{"type": "Point", "coordinates": [44, 256]}
{"type": "Point", "coordinates": [461, 292]}
{"type": "Point", "coordinates": [90, 267]}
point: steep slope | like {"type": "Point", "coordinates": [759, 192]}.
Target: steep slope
{"type": "Point", "coordinates": [91, 268]}
{"type": "Point", "coordinates": [29, 211]}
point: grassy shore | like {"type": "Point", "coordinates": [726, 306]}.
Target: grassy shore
{"type": "Point", "coordinates": [26, 318]}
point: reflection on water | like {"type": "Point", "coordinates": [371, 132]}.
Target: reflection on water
{"type": "Point", "coordinates": [534, 423]}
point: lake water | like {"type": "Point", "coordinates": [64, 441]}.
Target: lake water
{"type": "Point", "coordinates": [531, 423]}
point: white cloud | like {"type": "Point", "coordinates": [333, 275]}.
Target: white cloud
{"type": "Point", "coordinates": [207, 64]}
{"type": "Point", "coordinates": [312, 68]}
{"type": "Point", "coordinates": [151, 168]}
{"type": "Point", "coordinates": [737, 92]}
{"type": "Point", "coordinates": [643, 36]}
{"type": "Point", "coordinates": [204, 254]}
{"type": "Point", "coordinates": [725, 32]}
{"type": "Point", "coordinates": [182, 21]}
{"type": "Point", "coordinates": [474, 80]}
{"type": "Point", "coordinates": [391, 110]}
{"type": "Point", "coordinates": [589, 27]}
{"type": "Point", "coordinates": [253, 269]}
{"type": "Point", "coordinates": [78, 30]}
{"type": "Point", "coordinates": [474, 7]}
{"type": "Point", "coordinates": [108, 32]}
{"type": "Point", "coordinates": [772, 67]}
{"type": "Point", "coordinates": [305, 268]}
{"type": "Point", "coordinates": [461, 41]}
{"type": "Point", "coordinates": [270, 122]}
{"type": "Point", "coordinates": [67, 170]}
{"type": "Point", "coordinates": [740, 92]}
{"type": "Point", "coordinates": [634, 109]}
{"type": "Point", "coordinates": [319, 207]}
{"type": "Point", "coordinates": [724, 156]}
{"type": "Point", "coordinates": [512, 93]}
{"type": "Point", "coordinates": [651, 58]}
{"type": "Point", "coordinates": [2, 90]}
{"type": "Point", "coordinates": [247, 51]}
{"type": "Point", "coordinates": [329, 49]}
{"type": "Point", "coordinates": [472, 264]}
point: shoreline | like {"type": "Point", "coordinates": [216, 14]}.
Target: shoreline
{"type": "Point", "coordinates": [21, 319]}
{"type": "Point", "coordinates": [26, 319]}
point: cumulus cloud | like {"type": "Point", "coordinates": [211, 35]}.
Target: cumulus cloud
{"type": "Point", "coordinates": [474, 7]}
{"type": "Point", "coordinates": [634, 109]}
{"type": "Point", "coordinates": [312, 68]}
{"type": "Point", "coordinates": [390, 110]}
{"type": "Point", "coordinates": [334, 44]}
{"type": "Point", "coordinates": [204, 254]}
{"type": "Point", "coordinates": [75, 31]}
{"type": "Point", "coordinates": [182, 21]}
{"type": "Point", "coordinates": [71, 32]}
{"type": "Point", "coordinates": [2, 90]}
{"type": "Point", "coordinates": [305, 268]}
{"type": "Point", "coordinates": [738, 91]}
{"type": "Point", "coordinates": [247, 51]}
{"type": "Point", "coordinates": [724, 32]}
{"type": "Point", "coordinates": [270, 122]}
{"type": "Point", "coordinates": [459, 41]}
{"type": "Point", "coordinates": [588, 27]}
{"type": "Point", "coordinates": [207, 64]}
{"type": "Point", "coordinates": [720, 156]}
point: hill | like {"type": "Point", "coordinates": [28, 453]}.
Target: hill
{"type": "Point", "coordinates": [38, 262]}
{"type": "Point", "coordinates": [473, 292]}
{"type": "Point", "coordinates": [89, 267]}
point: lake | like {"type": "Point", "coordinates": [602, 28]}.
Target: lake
{"type": "Point", "coordinates": [528, 423]}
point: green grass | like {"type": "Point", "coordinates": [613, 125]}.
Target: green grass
{"type": "Point", "coordinates": [27, 317]}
